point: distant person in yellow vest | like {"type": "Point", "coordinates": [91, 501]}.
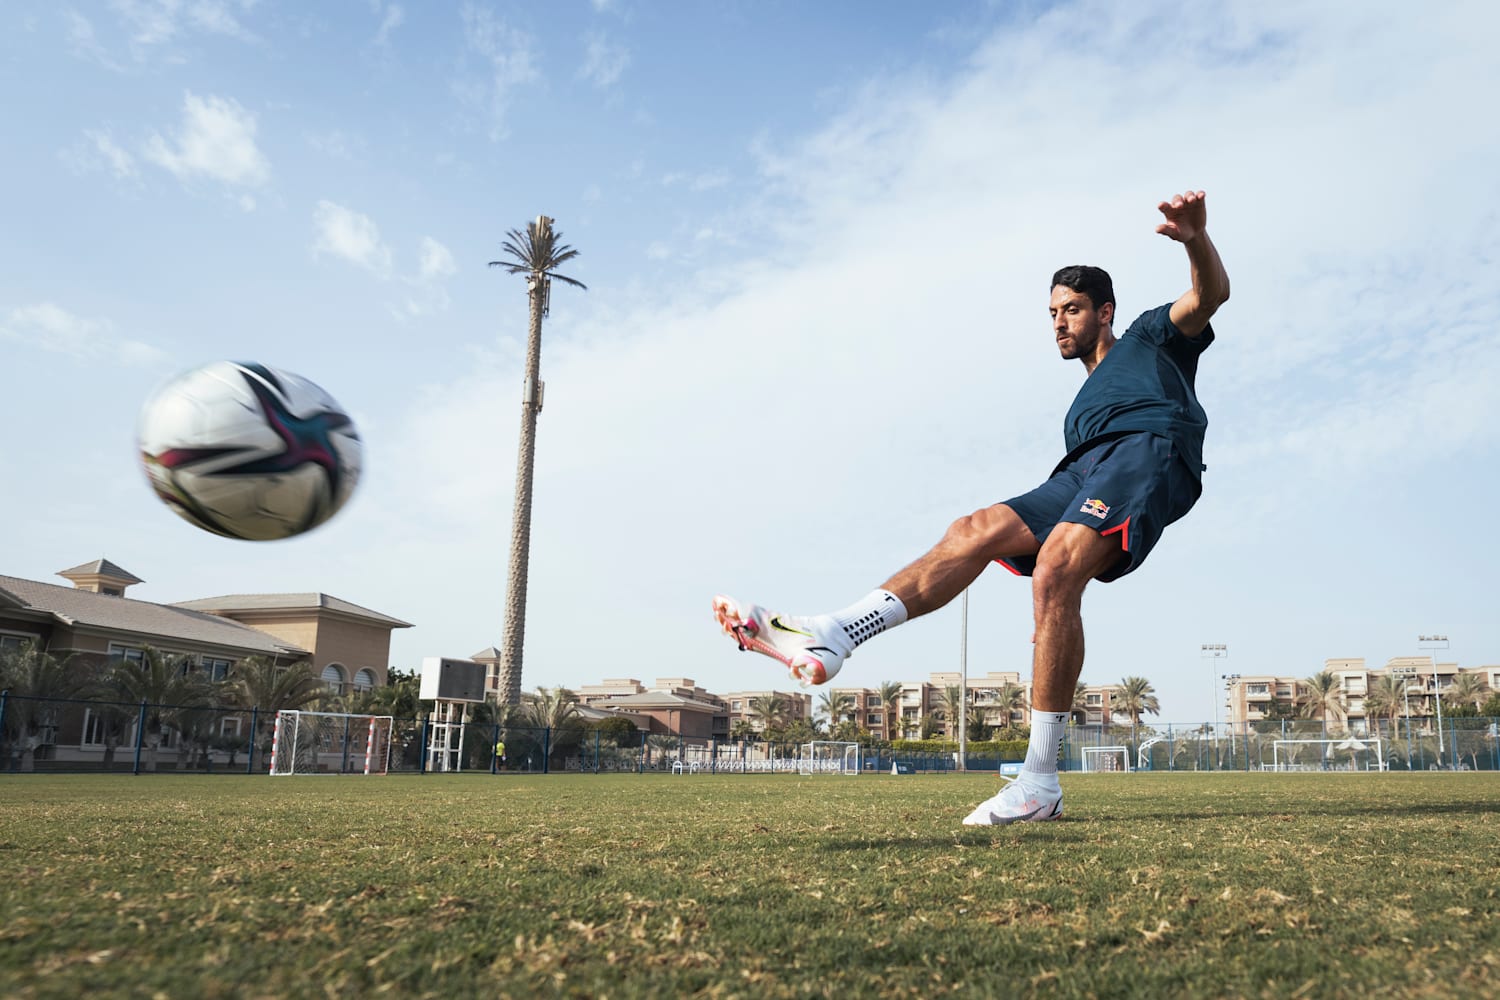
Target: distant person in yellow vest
{"type": "Point", "coordinates": [499, 755]}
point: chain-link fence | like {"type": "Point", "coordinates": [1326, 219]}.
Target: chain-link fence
{"type": "Point", "coordinates": [81, 735]}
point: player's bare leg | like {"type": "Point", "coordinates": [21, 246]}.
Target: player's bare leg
{"type": "Point", "coordinates": [970, 544]}
{"type": "Point", "coordinates": [1074, 555]}
{"type": "Point", "coordinates": [814, 648]}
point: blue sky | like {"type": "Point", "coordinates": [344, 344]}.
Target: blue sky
{"type": "Point", "coordinates": [817, 239]}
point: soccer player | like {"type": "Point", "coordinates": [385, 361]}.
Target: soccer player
{"type": "Point", "coordinates": [1134, 438]}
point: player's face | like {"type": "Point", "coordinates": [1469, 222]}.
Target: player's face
{"type": "Point", "coordinates": [1076, 323]}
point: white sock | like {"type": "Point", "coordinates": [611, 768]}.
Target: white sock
{"type": "Point", "coordinates": [873, 614]}
{"type": "Point", "coordinates": [1047, 730]}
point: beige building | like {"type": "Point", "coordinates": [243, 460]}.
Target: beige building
{"type": "Point", "coordinates": [97, 621]}
{"type": "Point", "coordinates": [1254, 698]}
{"type": "Point", "coordinates": [676, 706]}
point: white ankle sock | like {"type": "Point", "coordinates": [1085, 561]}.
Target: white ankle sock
{"type": "Point", "coordinates": [873, 614]}
{"type": "Point", "coordinates": [1047, 730]}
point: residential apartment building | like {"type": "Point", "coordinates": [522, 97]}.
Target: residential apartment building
{"type": "Point", "coordinates": [1253, 698]}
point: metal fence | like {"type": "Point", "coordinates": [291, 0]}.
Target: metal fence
{"type": "Point", "coordinates": [76, 735]}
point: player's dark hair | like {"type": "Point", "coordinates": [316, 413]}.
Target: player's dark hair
{"type": "Point", "coordinates": [1091, 281]}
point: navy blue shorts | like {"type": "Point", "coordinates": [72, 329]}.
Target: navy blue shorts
{"type": "Point", "coordinates": [1129, 487]}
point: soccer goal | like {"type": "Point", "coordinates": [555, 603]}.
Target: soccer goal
{"type": "Point", "coordinates": [1106, 758]}
{"type": "Point", "coordinates": [330, 743]}
{"type": "Point", "coordinates": [827, 757]}
{"type": "Point", "coordinates": [1365, 753]}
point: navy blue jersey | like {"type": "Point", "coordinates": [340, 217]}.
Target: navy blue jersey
{"type": "Point", "coordinates": [1144, 383]}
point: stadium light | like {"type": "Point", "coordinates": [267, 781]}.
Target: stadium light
{"type": "Point", "coordinates": [1436, 642]}
{"type": "Point", "coordinates": [1215, 651]}
{"type": "Point", "coordinates": [963, 690]}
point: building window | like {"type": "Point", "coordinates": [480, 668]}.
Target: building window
{"type": "Point", "coordinates": [333, 676]}
{"type": "Point", "coordinates": [873, 719]}
{"type": "Point", "coordinates": [217, 668]}
{"type": "Point", "coordinates": [1094, 699]}
{"type": "Point", "coordinates": [93, 729]}
{"type": "Point", "coordinates": [872, 701]}
{"type": "Point", "coordinates": [130, 654]}
{"type": "Point", "coordinates": [15, 640]}
{"type": "Point", "coordinates": [734, 706]}
{"type": "Point", "coordinates": [229, 726]}
{"type": "Point", "coordinates": [364, 680]}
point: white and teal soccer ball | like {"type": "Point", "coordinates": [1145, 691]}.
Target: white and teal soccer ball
{"type": "Point", "coordinates": [247, 451]}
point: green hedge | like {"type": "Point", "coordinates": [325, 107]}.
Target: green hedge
{"type": "Point", "coordinates": [1006, 749]}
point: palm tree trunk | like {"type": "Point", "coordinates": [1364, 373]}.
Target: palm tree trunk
{"type": "Point", "coordinates": [520, 528]}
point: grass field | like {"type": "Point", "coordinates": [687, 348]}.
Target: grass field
{"type": "Point", "coordinates": [1167, 885]}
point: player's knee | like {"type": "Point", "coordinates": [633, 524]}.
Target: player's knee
{"type": "Point", "coordinates": [1056, 582]}
{"type": "Point", "coordinates": [980, 531]}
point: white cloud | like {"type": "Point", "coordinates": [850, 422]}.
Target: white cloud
{"type": "Point", "coordinates": [97, 150]}
{"type": "Point", "coordinates": [159, 22]}
{"type": "Point", "coordinates": [352, 236]}
{"type": "Point", "coordinates": [49, 327]}
{"type": "Point", "coordinates": [509, 57]}
{"type": "Point", "coordinates": [436, 261]}
{"type": "Point", "coordinates": [216, 141]}
{"type": "Point", "coordinates": [707, 181]}
{"type": "Point", "coordinates": [604, 62]}
{"type": "Point", "coordinates": [390, 19]}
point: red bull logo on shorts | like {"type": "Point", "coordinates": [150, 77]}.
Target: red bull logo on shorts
{"type": "Point", "coordinates": [1098, 508]}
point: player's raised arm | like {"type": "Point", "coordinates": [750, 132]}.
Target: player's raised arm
{"type": "Point", "coordinates": [1186, 222]}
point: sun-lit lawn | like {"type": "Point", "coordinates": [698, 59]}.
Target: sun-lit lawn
{"type": "Point", "coordinates": [1274, 885]}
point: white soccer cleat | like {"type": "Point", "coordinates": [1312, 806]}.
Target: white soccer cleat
{"type": "Point", "coordinates": [812, 649]}
{"type": "Point", "coordinates": [1017, 802]}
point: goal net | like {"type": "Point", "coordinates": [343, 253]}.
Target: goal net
{"type": "Point", "coordinates": [1363, 753]}
{"type": "Point", "coordinates": [330, 743]}
{"type": "Point", "coordinates": [827, 757]}
{"type": "Point", "coordinates": [1106, 758]}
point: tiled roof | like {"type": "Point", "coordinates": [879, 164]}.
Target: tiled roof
{"type": "Point", "coordinates": [288, 602]}
{"type": "Point", "coordinates": [124, 614]}
{"type": "Point", "coordinates": [490, 653]}
{"type": "Point", "coordinates": [100, 567]}
{"type": "Point", "coordinates": [657, 699]}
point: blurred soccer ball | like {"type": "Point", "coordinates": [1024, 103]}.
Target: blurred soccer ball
{"type": "Point", "coordinates": [247, 451]}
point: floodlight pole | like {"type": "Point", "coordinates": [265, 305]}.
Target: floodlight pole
{"type": "Point", "coordinates": [963, 689]}
{"type": "Point", "coordinates": [1214, 651]}
{"type": "Point", "coordinates": [1229, 682]}
{"type": "Point", "coordinates": [1436, 642]}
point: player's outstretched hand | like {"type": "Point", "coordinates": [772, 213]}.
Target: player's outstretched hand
{"type": "Point", "coordinates": [1187, 215]}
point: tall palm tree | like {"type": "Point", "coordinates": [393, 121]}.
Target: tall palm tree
{"type": "Point", "coordinates": [1386, 699]}
{"type": "Point", "coordinates": [556, 709]}
{"type": "Point", "coordinates": [836, 705]}
{"type": "Point", "coordinates": [1010, 698]}
{"type": "Point", "coordinates": [768, 710]}
{"type": "Point", "coordinates": [537, 254]}
{"type": "Point", "coordinates": [1080, 709]}
{"type": "Point", "coordinates": [165, 683]}
{"type": "Point", "coordinates": [890, 706]}
{"type": "Point", "coordinates": [1136, 698]}
{"type": "Point", "coordinates": [1467, 689]}
{"type": "Point", "coordinates": [1322, 697]}
{"type": "Point", "coordinates": [953, 709]}
{"type": "Point", "coordinates": [260, 683]}
{"type": "Point", "coordinates": [37, 680]}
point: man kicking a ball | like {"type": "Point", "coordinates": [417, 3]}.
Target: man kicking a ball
{"type": "Point", "coordinates": [1134, 436]}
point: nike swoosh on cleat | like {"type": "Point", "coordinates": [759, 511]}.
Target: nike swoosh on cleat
{"type": "Point", "coordinates": [776, 624]}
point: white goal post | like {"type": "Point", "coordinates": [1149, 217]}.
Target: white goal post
{"type": "Point", "coordinates": [828, 757]}
{"type": "Point", "coordinates": [330, 743]}
{"type": "Point", "coordinates": [1106, 758]}
{"type": "Point", "coordinates": [1347, 754]}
